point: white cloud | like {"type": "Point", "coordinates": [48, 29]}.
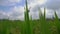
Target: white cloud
{"type": "Point", "coordinates": [49, 4]}
{"type": "Point", "coordinates": [3, 15]}
{"type": "Point", "coordinates": [37, 1]}
{"type": "Point", "coordinates": [49, 13]}
{"type": "Point", "coordinates": [14, 13]}
{"type": "Point", "coordinates": [17, 12]}
{"type": "Point", "coordinates": [9, 2]}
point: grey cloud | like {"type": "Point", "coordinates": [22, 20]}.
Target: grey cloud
{"type": "Point", "coordinates": [52, 4]}
{"type": "Point", "coordinates": [12, 16]}
{"type": "Point", "coordinates": [35, 8]}
{"type": "Point", "coordinates": [35, 16]}
{"type": "Point", "coordinates": [50, 14]}
{"type": "Point", "coordinates": [15, 14]}
{"type": "Point", "coordinates": [3, 15]}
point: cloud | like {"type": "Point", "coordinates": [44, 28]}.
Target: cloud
{"type": "Point", "coordinates": [16, 13]}
{"type": "Point", "coordinates": [8, 2]}
{"type": "Point", "coordinates": [52, 4]}
{"type": "Point", "coordinates": [49, 13]}
{"type": "Point", "coordinates": [58, 13]}
{"type": "Point", "coordinates": [3, 15]}
{"type": "Point", "coordinates": [34, 15]}
{"type": "Point", "coordinates": [37, 1]}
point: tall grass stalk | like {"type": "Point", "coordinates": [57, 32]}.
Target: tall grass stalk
{"type": "Point", "coordinates": [43, 24]}
{"type": "Point", "coordinates": [23, 28]}
{"type": "Point", "coordinates": [57, 23]}
{"type": "Point", "coordinates": [27, 22]}
{"type": "Point", "coordinates": [47, 31]}
{"type": "Point", "coordinates": [31, 25]}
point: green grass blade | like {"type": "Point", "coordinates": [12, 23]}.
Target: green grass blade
{"type": "Point", "coordinates": [57, 23]}
{"type": "Point", "coordinates": [44, 25]}
{"type": "Point", "coordinates": [31, 25]}
{"type": "Point", "coordinates": [47, 29]}
{"type": "Point", "coordinates": [28, 28]}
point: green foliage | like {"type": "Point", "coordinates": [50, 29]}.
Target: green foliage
{"type": "Point", "coordinates": [43, 24]}
{"type": "Point", "coordinates": [29, 26]}
{"type": "Point", "coordinates": [57, 23]}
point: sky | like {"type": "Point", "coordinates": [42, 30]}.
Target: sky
{"type": "Point", "coordinates": [14, 9]}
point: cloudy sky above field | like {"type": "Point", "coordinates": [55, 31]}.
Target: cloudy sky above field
{"type": "Point", "coordinates": [14, 9]}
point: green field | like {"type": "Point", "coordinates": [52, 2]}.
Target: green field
{"type": "Point", "coordinates": [29, 26]}
{"type": "Point", "coordinates": [18, 27]}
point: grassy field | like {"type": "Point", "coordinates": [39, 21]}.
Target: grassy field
{"type": "Point", "coordinates": [18, 27]}
{"type": "Point", "coordinates": [29, 26]}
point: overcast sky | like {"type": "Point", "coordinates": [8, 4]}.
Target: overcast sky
{"type": "Point", "coordinates": [14, 9]}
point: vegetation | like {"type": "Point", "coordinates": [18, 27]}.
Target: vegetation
{"type": "Point", "coordinates": [40, 26]}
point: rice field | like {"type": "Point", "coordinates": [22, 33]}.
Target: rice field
{"type": "Point", "coordinates": [40, 26]}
